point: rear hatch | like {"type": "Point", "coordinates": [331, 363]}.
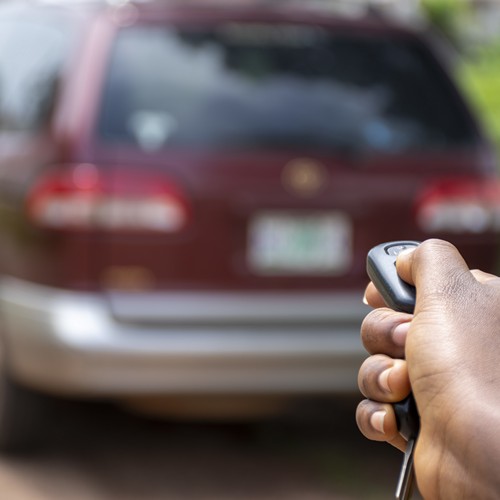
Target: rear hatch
{"type": "Point", "coordinates": [282, 152]}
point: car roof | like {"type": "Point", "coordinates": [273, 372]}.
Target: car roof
{"type": "Point", "coordinates": [289, 10]}
{"type": "Point", "coordinates": [310, 11]}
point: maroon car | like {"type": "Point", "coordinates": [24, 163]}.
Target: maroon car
{"type": "Point", "coordinates": [188, 194]}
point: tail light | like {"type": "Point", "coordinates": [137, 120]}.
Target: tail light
{"type": "Point", "coordinates": [460, 206]}
{"type": "Point", "coordinates": [82, 197]}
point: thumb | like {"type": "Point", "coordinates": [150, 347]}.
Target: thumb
{"type": "Point", "coordinates": [434, 267]}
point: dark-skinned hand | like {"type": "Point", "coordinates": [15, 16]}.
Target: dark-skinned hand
{"type": "Point", "coordinates": [448, 354]}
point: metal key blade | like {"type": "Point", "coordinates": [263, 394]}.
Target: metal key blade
{"type": "Point", "coordinates": [404, 489]}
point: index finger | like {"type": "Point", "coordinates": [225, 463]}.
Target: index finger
{"type": "Point", "coordinates": [372, 297]}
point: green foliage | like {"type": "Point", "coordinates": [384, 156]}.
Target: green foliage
{"type": "Point", "coordinates": [479, 72]}
{"type": "Point", "coordinates": [480, 78]}
{"type": "Point", "coordinates": [447, 16]}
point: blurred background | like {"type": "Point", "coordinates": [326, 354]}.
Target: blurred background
{"type": "Point", "coordinates": [187, 194]}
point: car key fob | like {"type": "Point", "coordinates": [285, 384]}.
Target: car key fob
{"type": "Point", "coordinates": [400, 296]}
{"type": "Point", "coordinates": [381, 268]}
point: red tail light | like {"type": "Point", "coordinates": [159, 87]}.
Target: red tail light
{"type": "Point", "coordinates": [460, 206]}
{"type": "Point", "coordinates": [82, 197]}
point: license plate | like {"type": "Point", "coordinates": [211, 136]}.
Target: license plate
{"type": "Point", "coordinates": [313, 244]}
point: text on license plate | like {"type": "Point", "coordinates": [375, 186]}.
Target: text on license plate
{"type": "Point", "coordinates": [310, 243]}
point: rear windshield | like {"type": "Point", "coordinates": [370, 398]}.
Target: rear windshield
{"type": "Point", "coordinates": [282, 87]}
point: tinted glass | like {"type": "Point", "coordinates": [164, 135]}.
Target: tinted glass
{"type": "Point", "coordinates": [32, 50]}
{"type": "Point", "coordinates": [258, 86]}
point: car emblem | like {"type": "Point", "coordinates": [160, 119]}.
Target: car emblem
{"type": "Point", "coordinates": [304, 177]}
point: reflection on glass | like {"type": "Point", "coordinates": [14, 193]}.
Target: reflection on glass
{"type": "Point", "coordinates": [240, 86]}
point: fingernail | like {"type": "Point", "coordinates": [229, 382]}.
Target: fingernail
{"type": "Point", "coordinates": [399, 334]}
{"type": "Point", "coordinates": [383, 380]}
{"type": "Point", "coordinates": [365, 301]}
{"type": "Point", "coordinates": [377, 421]}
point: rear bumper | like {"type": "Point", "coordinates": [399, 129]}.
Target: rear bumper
{"type": "Point", "coordinates": [86, 344]}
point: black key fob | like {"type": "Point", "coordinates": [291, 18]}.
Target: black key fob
{"type": "Point", "coordinates": [381, 268]}
{"type": "Point", "coordinates": [400, 296]}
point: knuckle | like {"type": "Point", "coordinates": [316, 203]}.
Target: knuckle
{"type": "Point", "coordinates": [368, 377]}
{"type": "Point", "coordinates": [363, 413]}
{"type": "Point", "coordinates": [373, 322]}
{"type": "Point", "coordinates": [377, 331]}
{"type": "Point", "coordinates": [432, 250]}
{"type": "Point", "coordinates": [433, 245]}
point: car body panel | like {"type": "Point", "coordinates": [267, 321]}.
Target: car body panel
{"type": "Point", "coordinates": [203, 309]}
{"type": "Point", "coordinates": [71, 343]}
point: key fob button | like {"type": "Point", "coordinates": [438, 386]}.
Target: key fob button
{"type": "Point", "coordinates": [395, 250]}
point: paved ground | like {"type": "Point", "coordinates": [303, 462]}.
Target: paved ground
{"type": "Point", "coordinates": [97, 452]}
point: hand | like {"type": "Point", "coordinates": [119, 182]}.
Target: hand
{"type": "Point", "coordinates": [448, 354]}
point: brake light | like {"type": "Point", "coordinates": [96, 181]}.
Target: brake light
{"type": "Point", "coordinates": [460, 206]}
{"type": "Point", "coordinates": [82, 197]}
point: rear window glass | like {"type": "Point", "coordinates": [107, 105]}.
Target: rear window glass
{"type": "Point", "coordinates": [283, 87]}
